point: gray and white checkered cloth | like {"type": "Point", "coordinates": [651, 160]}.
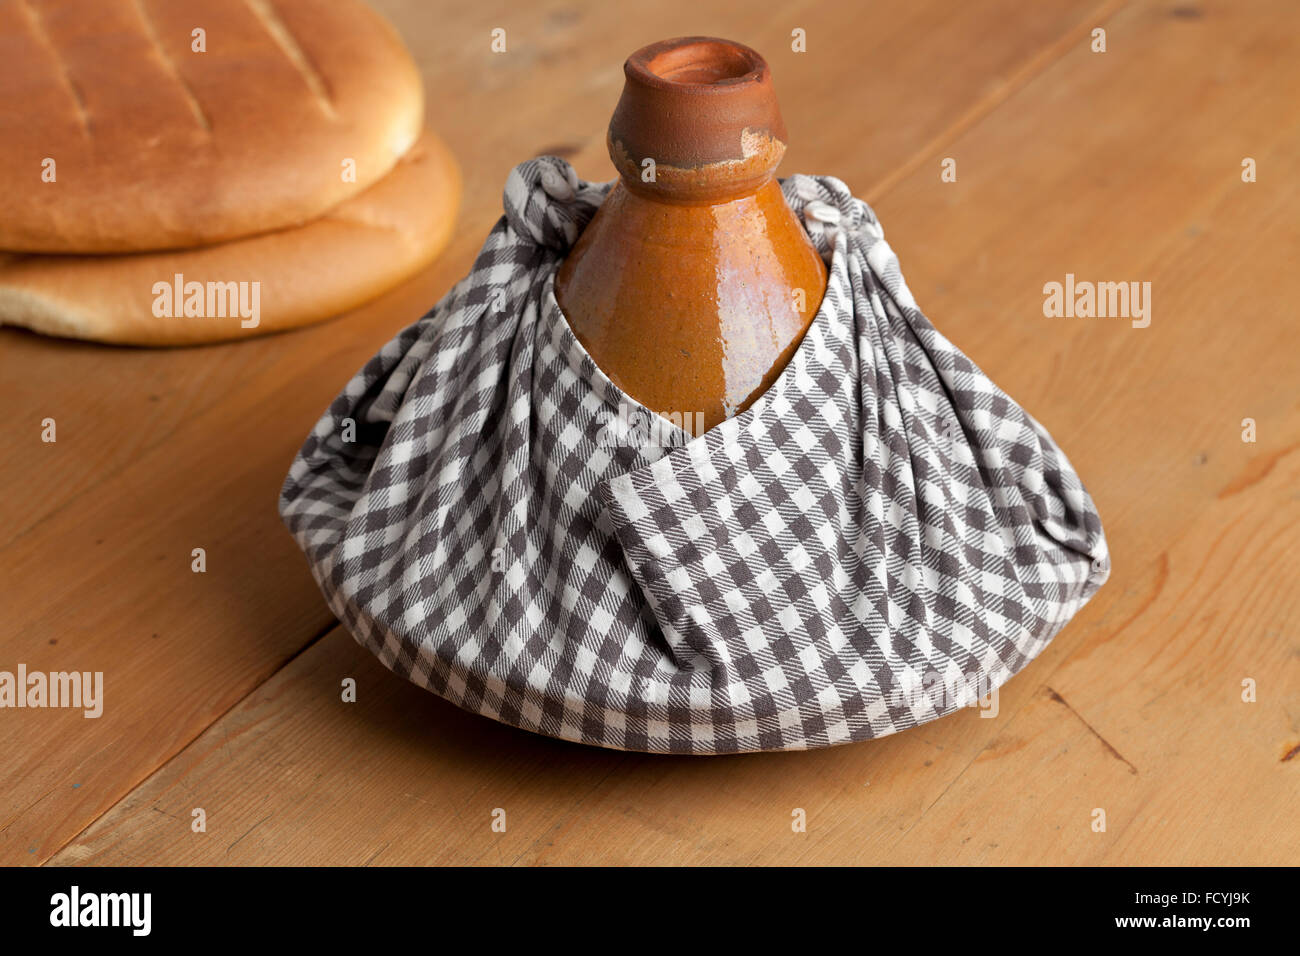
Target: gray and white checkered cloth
{"type": "Point", "coordinates": [883, 537]}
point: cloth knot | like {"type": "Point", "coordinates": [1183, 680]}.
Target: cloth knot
{"type": "Point", "coordinates": [827, 207]}
{"type": "Point", "coordinates": [546, 203]}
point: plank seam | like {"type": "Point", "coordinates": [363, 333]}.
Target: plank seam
{"type": "Point", "coordinates": [149, 775]}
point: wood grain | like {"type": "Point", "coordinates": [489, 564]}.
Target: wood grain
{"type": "Point", "coordinates": [1115, 166]}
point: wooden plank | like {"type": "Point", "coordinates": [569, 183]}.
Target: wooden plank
{"type": "Point", "coordinates": [1116, 169]}
{"type": "Point", "coordinates": [1185, 770]}
{"type": "Point", "coordinates": [106, 584]}
{"type": "Point", "coordinates": [163, 452]}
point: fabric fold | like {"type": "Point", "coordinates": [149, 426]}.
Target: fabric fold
{"type": "Point", "coordinates": [881, 538]}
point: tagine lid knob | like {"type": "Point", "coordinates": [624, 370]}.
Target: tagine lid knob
{"type": "Point", "coordinates": [704, 112]}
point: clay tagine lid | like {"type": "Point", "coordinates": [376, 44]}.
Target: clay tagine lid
{"type": "Point", "coordinates": [694, 283]}
{"type": "Point", "coordinates": [705, 111]}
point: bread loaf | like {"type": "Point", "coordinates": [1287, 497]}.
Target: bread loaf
{"type": "Point", "coordinates": [135, 125]}
{"type": "Point", "coordinates": [246, 287]}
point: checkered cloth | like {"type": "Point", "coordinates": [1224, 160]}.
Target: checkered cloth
{"type": "Point", "coordinates": [882, 538]}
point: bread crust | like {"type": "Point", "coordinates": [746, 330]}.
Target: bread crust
{"type": "Point", "coordinates": [156, 146]}
{"type": "Point", "coordinates": [354, 253]}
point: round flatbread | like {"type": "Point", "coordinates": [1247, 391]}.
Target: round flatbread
{"type": "Point", "coordinates": [155, 124]}
{"type": "Point", "coordinates": [279, 280]}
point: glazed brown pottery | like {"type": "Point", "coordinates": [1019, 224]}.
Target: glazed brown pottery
{"type": "Point", "coordinates": [694, 283]}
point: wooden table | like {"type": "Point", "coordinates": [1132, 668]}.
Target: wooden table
{"type": "Point", "coordinates": [223, 688]}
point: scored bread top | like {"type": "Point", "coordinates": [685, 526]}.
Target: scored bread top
{"type": "Point", "coordinates": [157, 146]}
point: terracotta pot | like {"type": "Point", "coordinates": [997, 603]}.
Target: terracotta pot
{"type": "Point", "coordinates": [694, 283]}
